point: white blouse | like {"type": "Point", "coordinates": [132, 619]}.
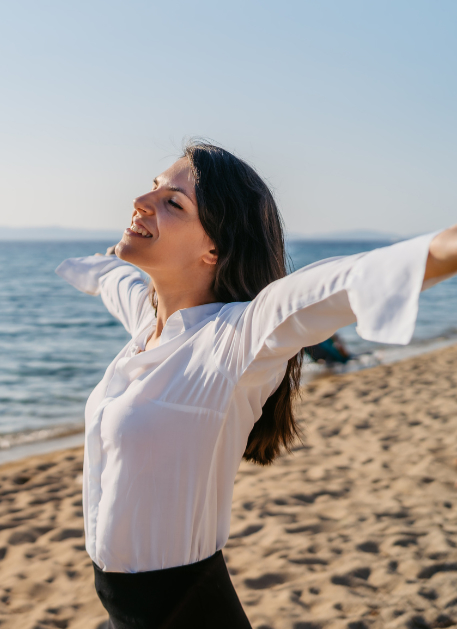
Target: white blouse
{"type": "Point", "coordinates": [166, 429]}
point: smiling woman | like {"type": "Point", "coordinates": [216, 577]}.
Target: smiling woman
{"type": "Point", "coordinates": [210, 375]}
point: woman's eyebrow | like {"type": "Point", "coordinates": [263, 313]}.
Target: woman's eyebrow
{"type": "Point", "coordinates": [174, 189]}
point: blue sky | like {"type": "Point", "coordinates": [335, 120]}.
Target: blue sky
{"type": "Point", "coordinates": [346, 107]}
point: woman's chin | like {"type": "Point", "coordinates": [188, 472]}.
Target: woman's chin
{"type": "Point", "coordinates": [127, 251]}
{"type": "Point", "coordinates": [124, 250]}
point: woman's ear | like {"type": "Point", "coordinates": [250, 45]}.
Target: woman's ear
{"type": "Point", "coordinates": [210, 257]}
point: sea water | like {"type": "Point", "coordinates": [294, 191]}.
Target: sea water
{"type": "Point", "coordinates": [55, 342]}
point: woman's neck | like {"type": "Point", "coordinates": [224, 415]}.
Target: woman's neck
{"type": "Point", "coordinates": [170, 301]}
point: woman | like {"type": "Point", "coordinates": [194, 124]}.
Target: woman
{"type": "Point", "coordinates": [210, 374]}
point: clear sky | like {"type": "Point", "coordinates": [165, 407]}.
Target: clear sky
{"type": "Point", "coordinates": [347, 107]}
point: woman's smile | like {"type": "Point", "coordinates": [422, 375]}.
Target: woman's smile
{"type": "Point", "coordinates": [138, 229]}
{"type": "Point", "coordinates": [131, 232]}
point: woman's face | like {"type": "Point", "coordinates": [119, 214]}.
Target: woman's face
{"type": "Point", "coordinates": [165, 235]}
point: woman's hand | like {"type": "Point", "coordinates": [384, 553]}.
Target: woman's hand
{"type": "Point", "coordinates": [109, 252]}
{"type": "Point", "coordinates": [442, 257]}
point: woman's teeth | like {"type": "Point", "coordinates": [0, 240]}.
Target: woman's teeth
{"type": "Point", "coordinates": [140, 230]}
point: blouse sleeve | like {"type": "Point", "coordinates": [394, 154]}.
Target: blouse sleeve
{"type": "Point", "coordinates": [121, 286]}
{"type": "Point", "coordinates": [379, 290]}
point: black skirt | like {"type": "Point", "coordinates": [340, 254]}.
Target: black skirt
{"type": "Point", "coordinates": [199, 595]}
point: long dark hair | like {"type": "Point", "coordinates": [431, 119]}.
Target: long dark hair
{"type": "Point", "coordinates": [239, 214]}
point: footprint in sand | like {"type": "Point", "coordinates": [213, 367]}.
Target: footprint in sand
{"type": "Point", "coordinates": [306, 528]}
{"type": "Point", "coordinates": [405, 541]}
{"type": "Point", "coordinates": [72, 574]}
{"type": "Point", "coordinates": [26, 536]}
{"type": "Point", "coordinates": [45, 466]}
{"type": "Point", "coordinates": [265, 581]}
{"type": "Point", "coordinates": [368, 547]}
{"type": "Point", "coordinates": [309, 561]}
{"type": "Point", "coordinates": [429, 593]}
{"type": "Point", "coordinates": [392, 566]}
{"type": "Point", "coordinates": [429, 571]}
{"type": "Point", "coordinates": [248, 530]}
{"type": "Point", "coordinates": [359, 576]}
{"type": "Point", "coordinates": [66, 534]}
{"type": "Point", "coordinates": [41, 500]}
{"type": "Point", "coordinates": [20, 479]}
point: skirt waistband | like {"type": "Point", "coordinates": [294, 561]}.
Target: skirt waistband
{"type": "Point", "coordinates": [190, 568]}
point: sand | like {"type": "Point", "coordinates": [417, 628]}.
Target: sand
{"type": "Point", "coordinates": [356, 529]}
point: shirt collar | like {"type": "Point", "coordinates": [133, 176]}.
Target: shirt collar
{"type": "Point", "coordinates": [184, 319]}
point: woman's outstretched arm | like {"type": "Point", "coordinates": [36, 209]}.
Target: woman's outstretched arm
{"type": "Point", "coordinates": [122, 287]}
{"type": "Point", "coordinates": [442, 256]}
{"type": "Point", "coordinates": [378, 289]}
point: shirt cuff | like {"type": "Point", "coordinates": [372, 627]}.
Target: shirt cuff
{"type": "Point", "coordinates": [384, 290]}
{"type": "Point", "coordinates": [85, 273]}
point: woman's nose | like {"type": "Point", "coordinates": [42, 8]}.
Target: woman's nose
{"type": "Point", "coordinates": [144, 204]}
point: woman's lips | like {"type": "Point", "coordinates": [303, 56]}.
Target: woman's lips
{"type": "Point", "coordinates": [133, 234]}
{"type": "Point", "coordinates": [139, 228]}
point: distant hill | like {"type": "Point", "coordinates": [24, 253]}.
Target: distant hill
{"type": "Point", "coordinates": [354, 235]}
{"type": "Point", "coordinates": [58, 234]}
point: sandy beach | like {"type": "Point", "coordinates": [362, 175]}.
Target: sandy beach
{"type": "Point", "coordinates": [356, 529]}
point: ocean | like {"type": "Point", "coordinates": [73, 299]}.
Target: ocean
{"type": "Point", "coordinates": [56, 342]}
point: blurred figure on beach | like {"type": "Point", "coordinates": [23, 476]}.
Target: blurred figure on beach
{"type": "Point", "coordinates": [330, 351]}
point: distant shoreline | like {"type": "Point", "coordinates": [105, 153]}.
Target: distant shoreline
{"type": "Point", "coordinates": [63, 234]}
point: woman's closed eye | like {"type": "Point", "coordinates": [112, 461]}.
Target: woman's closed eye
{"type": "Point", "coordinates": [174, 204]}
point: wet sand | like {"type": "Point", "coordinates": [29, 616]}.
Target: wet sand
{"type": "Point", "coordinates": [356, 529]}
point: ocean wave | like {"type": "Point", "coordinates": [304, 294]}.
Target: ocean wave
{"type": "Point", "coordinates": [14, 439]}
